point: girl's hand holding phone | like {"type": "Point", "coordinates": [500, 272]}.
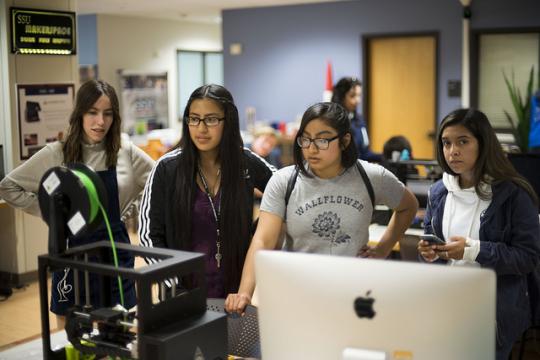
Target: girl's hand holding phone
{"type": "Point", "coordinates": [427, 247]}
{"type": "Point", "coordinates": [432, 247]}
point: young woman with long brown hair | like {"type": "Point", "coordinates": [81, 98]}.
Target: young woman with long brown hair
{"type": "Point", "coordinates": [488, 215]}
{"type": "Point", "coordinates": [93, 138]}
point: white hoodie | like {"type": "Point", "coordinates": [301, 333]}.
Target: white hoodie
{"type": "Point", "coordinates": [462, 212]}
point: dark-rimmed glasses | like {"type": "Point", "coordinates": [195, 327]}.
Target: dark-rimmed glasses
{"type": "Point", "coordinates": [208, 121]}
{"type": "Point", "coordinates": [320, 143]}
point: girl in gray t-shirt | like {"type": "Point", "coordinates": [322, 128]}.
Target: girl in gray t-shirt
{"type": "Point", "coordinates": [329, 208]}
{"type": "Point", "coordinates": [330, 216]}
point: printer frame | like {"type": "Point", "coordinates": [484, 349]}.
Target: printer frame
{"type": "Point", "coordinates": [178, 326]}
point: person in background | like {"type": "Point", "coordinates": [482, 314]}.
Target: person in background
{"type": "Point", "coordinates": [329, 209]}
{"type": "Point", "coordinates": [266, 144]}
{"type": "Point", "coordinates": [488, 216]}
{"type": "Point", "coordinates": [93, 138]}
{"type": "Point", "coordinates": [348, 93]}
{"type": "Point", "coordinates": [199, 197]}
{"type": "Point", "coordinates": [397, 144]}
{"type": "Point", "coordinates": [396, 149]}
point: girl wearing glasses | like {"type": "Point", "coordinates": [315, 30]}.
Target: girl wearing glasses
{"type": "Point", "coordinates": [199, 197]}
{"type": "Point", "coordinates": [329, 208]}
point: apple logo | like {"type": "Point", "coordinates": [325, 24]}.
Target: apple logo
{"type": "Point", "coordinates": [363, 306]}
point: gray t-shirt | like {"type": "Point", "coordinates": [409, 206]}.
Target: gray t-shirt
{"type": "Point", "coordinates": [330, 216]}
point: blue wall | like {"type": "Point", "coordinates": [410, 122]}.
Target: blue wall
{"type": "Point", "coordinates": [87, 39]}
{"type": "Point", "coordinates": [285, 49]}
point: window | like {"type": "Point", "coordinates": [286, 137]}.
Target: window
{"type": "Point", "coordinates": [196, 68]}
{"type": "Point", "coordinates": [509, 52]}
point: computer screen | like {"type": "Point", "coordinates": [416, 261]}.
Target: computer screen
{"type": "Point", "coordinates": [316, 306]}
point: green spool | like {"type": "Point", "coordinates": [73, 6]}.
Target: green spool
{"type": "Point", "coordinates": [92, 193]}
{"type": "Point", "coordinates": [95, 206]}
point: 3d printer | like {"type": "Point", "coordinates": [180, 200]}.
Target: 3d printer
{"type": "Point", "coordinates": [173, 325]}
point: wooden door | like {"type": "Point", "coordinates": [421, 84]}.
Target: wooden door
{"type": "Point", "coordinates": [402, 92]}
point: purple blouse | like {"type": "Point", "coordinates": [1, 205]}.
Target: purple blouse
{"type": "Point", "coordinates": [203, 240]}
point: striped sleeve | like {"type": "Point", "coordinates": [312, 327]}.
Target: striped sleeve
{"type": "Point", "coordinates": [261, 170]}
{"type": "Point", "coordinates": [152, 232]}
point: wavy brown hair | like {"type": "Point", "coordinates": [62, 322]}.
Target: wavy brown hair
{"type": "Point", "coordinates": [491, 161]}
{"type": "Point", "coordinates": [87, 96]}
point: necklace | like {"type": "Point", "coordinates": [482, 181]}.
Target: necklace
{"type": "Point", "coordinates": [215, 212]}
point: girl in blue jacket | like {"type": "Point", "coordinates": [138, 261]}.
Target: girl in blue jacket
{"type": "Point", "coordinates": [348, 92]}
{"type": "Point", "coordinates": [487, 214]}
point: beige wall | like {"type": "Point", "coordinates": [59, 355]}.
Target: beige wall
{"type": "Point", "coordinates": [22, 236]}
{"type": "Point", "coordinates": [129, 43]}
{"type": "Point", "coordinates": [145, 44]}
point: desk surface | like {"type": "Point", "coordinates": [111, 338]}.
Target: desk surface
{"type": "Point", "coordinates": [376, 231]}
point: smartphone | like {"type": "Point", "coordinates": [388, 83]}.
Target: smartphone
{"type": "Point", "coordinates": [432, 239]}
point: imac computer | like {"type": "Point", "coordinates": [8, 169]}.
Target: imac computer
{"type": "Point", "coordinates": [329, 307]}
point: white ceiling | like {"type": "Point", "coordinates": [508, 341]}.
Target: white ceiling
{"type": "Point", "coordinates": [208, 11]}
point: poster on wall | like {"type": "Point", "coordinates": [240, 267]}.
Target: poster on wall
{"type": "Point", "coordinates": [43, 112]}
{"type": "Point", "coordinates": [144, 102]}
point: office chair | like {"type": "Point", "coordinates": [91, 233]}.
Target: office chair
{"type": "Point", "coordinates": [243, 337]}
{"type": "Point", "coordinates": [528, 166]}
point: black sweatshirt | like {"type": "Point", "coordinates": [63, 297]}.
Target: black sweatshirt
{"type": "Point", "coordinates": [158, 217]}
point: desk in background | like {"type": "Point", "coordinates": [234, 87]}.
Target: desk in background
{"type": "Point", "coordinates": [406, 245]}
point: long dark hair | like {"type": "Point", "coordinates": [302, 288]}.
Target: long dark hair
{"type": "Point", "coordinates": [335, 116]}
{"type": "Point", "coordinates": [87, 96]}
{"type": "Point", "coordinates": [342, 87]}
{"type": "Point", "coordinates": [235, 219]}
{"type": "Point", "coordinates": [491, 159]}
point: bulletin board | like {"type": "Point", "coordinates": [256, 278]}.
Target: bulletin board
{"type": "Point", "coordinates": [43, 113]}
{"type": "Point", "coordinates": [144, 101]}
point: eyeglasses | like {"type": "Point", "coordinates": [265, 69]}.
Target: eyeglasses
{"type": "Point", "coordinates": [208, 121]}
{"type": "Point", "coordinates": [320, 143]}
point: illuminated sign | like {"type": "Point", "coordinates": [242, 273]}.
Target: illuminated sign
{"type": "Point", "coordinates": [43, 32]}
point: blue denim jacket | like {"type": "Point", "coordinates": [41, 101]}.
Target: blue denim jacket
{"type": "Point", "coordinates": [510, 245]}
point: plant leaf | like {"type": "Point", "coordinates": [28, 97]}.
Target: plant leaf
{"type": "Point", "coordinates": [522, 108]}
{"type": "Point", "coordinates": [510, 120]}
{"type": "Point", "coordinates": [530, 86]}
{"type": "Point", "coordinates": [515, 131]}
{"type": "Point", "coordinates": [513, 95]}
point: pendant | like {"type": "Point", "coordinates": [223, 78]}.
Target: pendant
{"type": "Point", "coordinates": [218, 255]}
